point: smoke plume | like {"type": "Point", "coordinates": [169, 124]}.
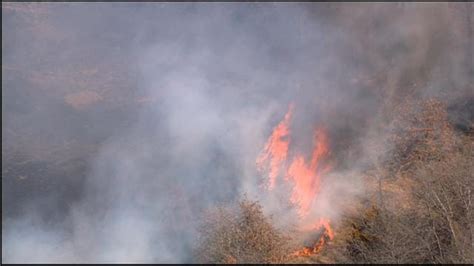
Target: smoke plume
{"type": "Point", "coordinates": [122, 122]}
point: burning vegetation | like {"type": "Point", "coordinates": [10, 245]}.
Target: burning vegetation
{"type": "Point", "coordinates": [417, 208]}
{"type": "Point", "coordinates": [304, 176]}
{"type": "Point", "coordinates": [130, 132]}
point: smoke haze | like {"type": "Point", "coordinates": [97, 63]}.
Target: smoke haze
{"type": "Point", "coordinates": [122, 122]}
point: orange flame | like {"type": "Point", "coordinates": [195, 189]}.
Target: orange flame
{"type": "Point", "coordinates": [276, 149]}
{"type": "Point", "coordinates": [308, 251]}
{"type": "Point", "coordinates": [322, 223]}
{"type": "Point", "coordinates": [305, 178]}
{"type": "Point", "coordinates": [327, 234]}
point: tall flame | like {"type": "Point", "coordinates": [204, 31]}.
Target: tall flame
{"type": "Point", "coordinates": [304, 176]}
{"type": "Point", "coordinates": [276, 149]}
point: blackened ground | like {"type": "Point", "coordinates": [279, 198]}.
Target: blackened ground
{"type": "Point", "coordinates": [461, 114]}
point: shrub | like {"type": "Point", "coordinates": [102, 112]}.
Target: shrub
{"type": "Point", "coordinates": [240, 234]}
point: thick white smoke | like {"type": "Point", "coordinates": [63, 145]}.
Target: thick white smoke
{"type": "Point", "coordinates": [213, 79]}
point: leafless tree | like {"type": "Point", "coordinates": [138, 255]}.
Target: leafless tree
{"type": "Point", "coordinates": [241, 235]}
{"type": "Point", "coordinates": [436, 226]}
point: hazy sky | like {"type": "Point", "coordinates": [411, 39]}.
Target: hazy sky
{"type": "Point", "coordinates": [122, 122]}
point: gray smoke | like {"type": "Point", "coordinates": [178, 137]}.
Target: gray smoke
{"type": "Point", "coordinates": [123, 122]}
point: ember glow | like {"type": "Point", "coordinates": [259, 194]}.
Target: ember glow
{"type": "Point", "coordinates": [303, 175]}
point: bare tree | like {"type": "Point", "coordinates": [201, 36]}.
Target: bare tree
{"type": "Point", "coordinates": [445, 195]}
{"type": "Point", "coordinates": [241, 235]}
{"type": "Point", "coordinates": [436, 226]}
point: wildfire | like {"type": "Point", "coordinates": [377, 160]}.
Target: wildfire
{"type": "Point", "coordinates": [324, 223]}
{"type": "Point", "coordinates": [276, 149]}
{"type": "Point", "coordinates": [305, 176]}
{"type": "Point", "coordinates": [326, 235]}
